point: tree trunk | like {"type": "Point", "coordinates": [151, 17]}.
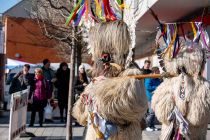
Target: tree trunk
{"type": "Point", "coordinates": [78, 57]}
{"type": "Point", "coordinates": [70, 99]}
{"type": "Point", "coordinates": [69, 133]}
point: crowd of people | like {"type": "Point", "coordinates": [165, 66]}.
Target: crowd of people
{"type": "Point", "coordinates": [43, 84]}
{"type": "Point", "coordinates": [42, 87]}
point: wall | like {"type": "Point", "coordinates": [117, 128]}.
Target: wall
{"type": "Point", "coordinates": [24, 37]}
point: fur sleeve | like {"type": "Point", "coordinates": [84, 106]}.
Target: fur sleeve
{"type": "Point", "coordinates": [80, 112]}
{"type": "Point", "coordinates": [162, 101]}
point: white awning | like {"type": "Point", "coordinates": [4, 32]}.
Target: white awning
{"type": "Point", "coordinates": [11, 63]}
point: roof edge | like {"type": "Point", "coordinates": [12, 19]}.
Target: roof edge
{"type": "Point", "coordinates": [3, 14]}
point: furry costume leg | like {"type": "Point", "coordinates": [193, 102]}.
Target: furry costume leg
{"type": "Point", "coordinates": [125, 133]}
{"type": "Point", "coordinates": [195, 108]}
{"type": "Point", "coordinates": [163, 102]}
{"type": "Point", "coordinates": [199, 132]}
{"type": "Point", "coordinates": [131, 132]}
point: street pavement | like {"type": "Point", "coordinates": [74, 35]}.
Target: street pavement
{"type": "Point", "coordinates": [49, 131]}
{"type": "Point", "coordinates": [57, 130]}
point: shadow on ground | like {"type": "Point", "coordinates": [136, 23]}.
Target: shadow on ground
{"type": "Point", "coordinates": [55, 138]}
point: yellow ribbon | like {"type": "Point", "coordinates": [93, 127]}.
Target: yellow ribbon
{"type": "Point", "coordinates": [124, 6]}
{"type": "Point", "coordinates": [169, 49]}
{"type": "Point", "coordinates": [99, 134]}
{"type": "Point", "coordinates": [194, 30]}
{"type": "Point", "coordinates": [98, 8]}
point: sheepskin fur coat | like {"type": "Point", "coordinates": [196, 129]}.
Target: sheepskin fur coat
{"type": "Point", "coordinates": [116, 98]}
{"type": "Point", "coordinates": [120, 100]}
{"type": "Point", "coordinates": [194, 105]}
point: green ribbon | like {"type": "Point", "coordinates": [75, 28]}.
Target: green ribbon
{"type": "Point", "coordinates": [119, 2]}
{"type": "Point", "coordinates": [73, 12]}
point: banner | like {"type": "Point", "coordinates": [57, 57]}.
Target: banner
{"type": "Point", "coordinates": [18, 113]}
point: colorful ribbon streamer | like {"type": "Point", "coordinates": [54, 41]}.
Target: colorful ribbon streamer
{"type": "Point", "coordinates": [73, 14]}
{"type": "Point", "coordinates": [97, 10]}
{"type": "Point", "coordinates": [172, 32]}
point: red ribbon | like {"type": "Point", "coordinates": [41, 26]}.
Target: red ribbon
{"type": "Point", "coordinates": [108, 12]}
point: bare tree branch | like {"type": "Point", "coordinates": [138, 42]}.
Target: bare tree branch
{"type": "Point", "coordinates": [58, 8]}
{"type": "Point", "coordinates": [51, 16]}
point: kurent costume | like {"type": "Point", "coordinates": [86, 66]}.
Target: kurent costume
{"type": "Point", "coordinates": [182, 103]}
{"type": "Point", "coordinates": [112, 105]}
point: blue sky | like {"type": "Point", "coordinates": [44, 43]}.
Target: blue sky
{"type": "Point", "coordinates": [6, 4]}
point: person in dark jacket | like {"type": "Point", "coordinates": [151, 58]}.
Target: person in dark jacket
{"type": "Point", "coordinates": [40, 96]}
{"type": "Point", "coordinates": [21, 80]}
{"type": "Point", "coordinates": [62, 84]}
{"type": "Point", "coordinates": [146, 67]}
{"type": "Point", "coordinates": [150, 85]}
{"type": "Point", "coordinates": [49, 75]}
{"type": "Point", "coordinates": [81, 82]}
